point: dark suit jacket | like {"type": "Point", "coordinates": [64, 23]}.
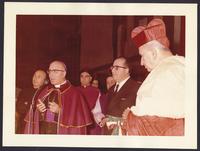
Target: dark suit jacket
{"type": "Point", "coordinates": [124, 98]}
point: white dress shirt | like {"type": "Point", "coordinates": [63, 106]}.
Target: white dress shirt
{"type": "Point", "coordinates": [121, 83]}
{"type": "Point", "coordinates": [58, 85]}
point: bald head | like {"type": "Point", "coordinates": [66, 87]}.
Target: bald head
{"type": "Point", "coordinates": [59, 63]}
{"type": "Point", "coordinates": [57, 72]}
{"type": "Point", "coordinates": [39, 78]}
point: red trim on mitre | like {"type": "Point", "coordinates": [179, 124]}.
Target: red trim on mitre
{"type": "Point", "coordinates": [140, 39]}
{"type": "Point", "coordinates": [155, 30]}
{"type": "Point", "coordinates": [148, 34]}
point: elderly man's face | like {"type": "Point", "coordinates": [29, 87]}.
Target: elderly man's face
{"type": "Point", "coordinates": [85, 78]}
{"type": "Point", "coordinates": [56, 73]}
{"type": "Point", "coordinates": [147, 57]}
{"type": "Point", "coordinates": [109, 82]}
{"type": "Point", "coordinates": [119, 70]}
{"type": "Point", "coordinates": [38, 79]}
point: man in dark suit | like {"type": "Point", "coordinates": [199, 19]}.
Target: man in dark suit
{"type": "Point", "coordinates": [120, 96]}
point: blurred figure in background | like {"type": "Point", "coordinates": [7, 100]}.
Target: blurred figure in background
{"type": "Point", "coordinates": [91, 95]}
{"type": "Point", "coordinates": [110, 81]}
{"type": "Point", "coordinates": [103, 99]}
{"type": "Point", "coordinates": [95, 83]}
{"type": "Point", "coordinates": [17, 116]}
{"type": "Point", "coordinates": [26, 98]}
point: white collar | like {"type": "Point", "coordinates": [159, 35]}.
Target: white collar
{"type": "Point", "coordinates": [121, 83]}
{"type": "Point", "coordinates": [58, 85]}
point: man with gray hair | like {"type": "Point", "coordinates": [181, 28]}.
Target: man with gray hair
{"type": "Point", "coordinates": [159, 108]}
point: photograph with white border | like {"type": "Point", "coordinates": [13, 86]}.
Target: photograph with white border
{"type": "Point", "coordinates": [14, 9]}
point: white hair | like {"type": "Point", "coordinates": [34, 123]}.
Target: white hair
{"type": "Point", "coordinates": [156, 45]}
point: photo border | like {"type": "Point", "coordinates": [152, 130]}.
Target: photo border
{"type": "Point", "coordinates": [8, 104]}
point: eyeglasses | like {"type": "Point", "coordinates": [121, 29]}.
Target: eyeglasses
{"type": "Point", "coordinates": [54, 71]}
{"type": "Point", "coordinates": [117, 67]}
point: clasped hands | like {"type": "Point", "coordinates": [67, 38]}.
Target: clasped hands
{"type": "Point", "coordinates": [53, 107]}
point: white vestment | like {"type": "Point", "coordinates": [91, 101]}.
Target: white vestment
{"type": "Point", "coordinates": [163, 91]}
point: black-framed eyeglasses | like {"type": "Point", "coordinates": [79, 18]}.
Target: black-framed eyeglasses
{"type": "Point", "coordinates": [54, 71]}
{"type": "Point", "coordinates": [117, 67]}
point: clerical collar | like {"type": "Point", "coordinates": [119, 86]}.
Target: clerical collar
{"type": "Point", "coordinates": [122, 83]}
{"type": "Point", "coordinates": [58, 85]}
{"type": "Point", "coordinates": [85, 86]}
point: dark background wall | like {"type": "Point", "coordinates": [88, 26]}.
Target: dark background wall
{"type": "Point", "coordinates": [84, 41]}
{"type": "Point", "coordinates": [42, 39]}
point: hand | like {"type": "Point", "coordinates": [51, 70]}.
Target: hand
{"type": "Point", "coordinates": [111, 126]}
{"type": "Point", "coordinates": [103, 122]}
{"type": "Point", "coordinates": [124, 118]}
{"type": "Point", "coordinates": [125, 113]}
{"type": "Point", "coordinates": [53, 107]}
{"type": "Point", "coordinates": [41, 106]}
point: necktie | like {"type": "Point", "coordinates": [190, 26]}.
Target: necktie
{"type": "Point", "coordinates": [116, 88]}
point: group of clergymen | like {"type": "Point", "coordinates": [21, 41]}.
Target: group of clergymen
{"type": "Point", "coordinates": [155, 107]}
